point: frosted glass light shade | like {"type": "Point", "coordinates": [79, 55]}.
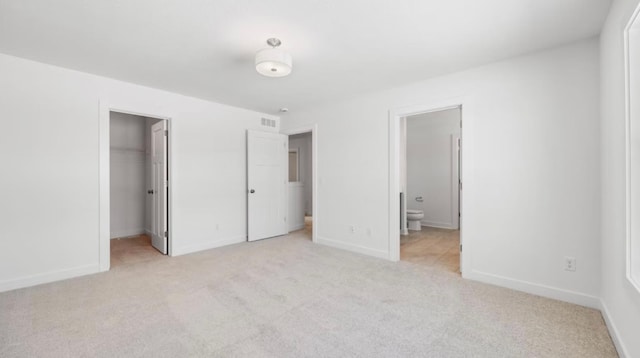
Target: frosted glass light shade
{"type": "Point", "coordinates": [273, 62]}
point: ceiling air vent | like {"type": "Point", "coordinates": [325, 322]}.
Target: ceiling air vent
{"type": "Point", "coordinates": [269, 122]}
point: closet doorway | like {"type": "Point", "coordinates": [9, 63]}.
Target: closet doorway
{"type": "Point", "coordinates": [138, 188]}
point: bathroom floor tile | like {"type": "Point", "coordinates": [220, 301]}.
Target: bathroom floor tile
{"type": "Point", "coordinates": [437, 248]}
{"type": "Point", "coordinates": [132, 250]}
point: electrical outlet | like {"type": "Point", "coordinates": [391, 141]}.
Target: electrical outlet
{"type": "Point", "coordinates": [353, 229]}
{"type": "Point", "coordinates": [569, 263]}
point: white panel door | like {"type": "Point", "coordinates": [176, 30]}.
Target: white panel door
{"type": "Point", "coordinates": [267, 155]}
{"type": "Point", "coordinates": [159, 186]}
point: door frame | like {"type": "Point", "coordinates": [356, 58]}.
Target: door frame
{"type": "Point", "coordinates": [313, 129]}
{"type": "Point", "coordinates": [106, 107]}
{"type": "Point", "coordinates": [466, 159]}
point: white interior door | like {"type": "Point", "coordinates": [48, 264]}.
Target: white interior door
{"type": "Point", "coordinates": [267, 155]}
{"type": "Point", "coordinates": [455, 181]}
{"type": "Point", "coordinates": [159, 186]}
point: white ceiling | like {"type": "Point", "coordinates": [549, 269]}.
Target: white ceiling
{"type": "Point", "coordinates": [205, 48]}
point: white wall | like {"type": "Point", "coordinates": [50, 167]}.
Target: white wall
{"type": "Point", "coordinates": [52, 116]}
{"type": "Point", "coordinates": [621, 301]}
{"type": "Point", "coordinates": [303, 143]}
{"type": "Point", "coordinates": [431, 166]}
{"type": "Point", "coordinates": [532, 183]}
{"type": "Point", "coordinates": [128, 174]}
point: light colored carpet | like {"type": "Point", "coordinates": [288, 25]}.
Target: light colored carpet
{"type": "Point", "coordinates": [286, 297]}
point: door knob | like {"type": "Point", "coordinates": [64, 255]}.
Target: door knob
{"type": "Point", "coordinates": [150, 191]}
{"type": "Point", "coordinates": [252, 191]}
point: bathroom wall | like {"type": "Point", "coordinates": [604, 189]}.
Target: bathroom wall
{"type": "Point", "coordinates": [432, 166]}
{"type": "Point", "coordinates": [128, 174]}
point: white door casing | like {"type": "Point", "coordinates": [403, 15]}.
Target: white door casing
{"type": "Point", "coordinates": [267, 165]}
{"type": "Point", "coordinates": [159, 186]}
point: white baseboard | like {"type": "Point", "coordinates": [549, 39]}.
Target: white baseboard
{"type": "Point", "coordinates": [38, 279]}
{"type": "Point", "coordinates": [126, 233]}
{"type": "Point", "coordinates": [206, 245]}
{"type": "Point", "coordinates": [613, 331]}
{"type": "Point", "coordinates": [437, 225]}
{"type": "Point", "coordinates": [535, 289]}
{"type": "Point", "coordinates": [353, 248]}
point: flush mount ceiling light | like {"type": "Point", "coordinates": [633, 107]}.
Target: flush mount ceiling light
{"type": "Point", "coordinates": [273, 62]}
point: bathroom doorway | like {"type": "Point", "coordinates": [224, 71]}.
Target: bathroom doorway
{"type": "Point", "coordinates": [437, 210]}
{"type": "Point", "coordinates": [430, 182]}
{"type": "Point", "coordinates": [302, 173]}
{"type": "Point", "coordinates": [138, 188]}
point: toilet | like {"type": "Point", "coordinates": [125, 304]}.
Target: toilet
{"type": "Point", "coordinates": [413, 219]}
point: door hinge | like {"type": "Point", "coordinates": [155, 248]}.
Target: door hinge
{"type": "Point", "coordinates": [460, 247]}
{"type": "Point", "coordinates": [165, 234]}
{"type": "Point", "coordinates": [166, 132]}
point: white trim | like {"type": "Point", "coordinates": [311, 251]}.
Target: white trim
{"type": "Point", "coordinates": [627, 84]}
{"type": "Point", "coordinates": [535, 289]}
{"type": "Point", "coordinates": [395, 115]}
{"type": "Point", "coordinates": [313, 128]}
{"type": "Point", "coordinates": [207, 245]}
{"type": "Point", "coordinates": [437, 225]}
{"type": "Point", "coordinates": [104, 219]}
{"type": "Point", "coordinates": [613, 331]}
{"type": "Point", "coordinates": [38, 279]}
{"type": "Point", "coordinates": [353, 248]}
{"type": "Point", "coordinates": [394, 185]}
{"type": "Point", "coordinates": [127, 233]}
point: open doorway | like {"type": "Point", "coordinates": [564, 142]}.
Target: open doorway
{"type": "Point", "coordinates": [302, 169]}
{"type": "Point", "coordinates": [300, 184]}
{"type": "Point", "coordinates": [430, 183]}
{"type": "Point", "coordinates": [138, 188]}
{"type": "Point", "coordinates": [397, 168]}
{"type": "Point", "coordinates": [277, 180]}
